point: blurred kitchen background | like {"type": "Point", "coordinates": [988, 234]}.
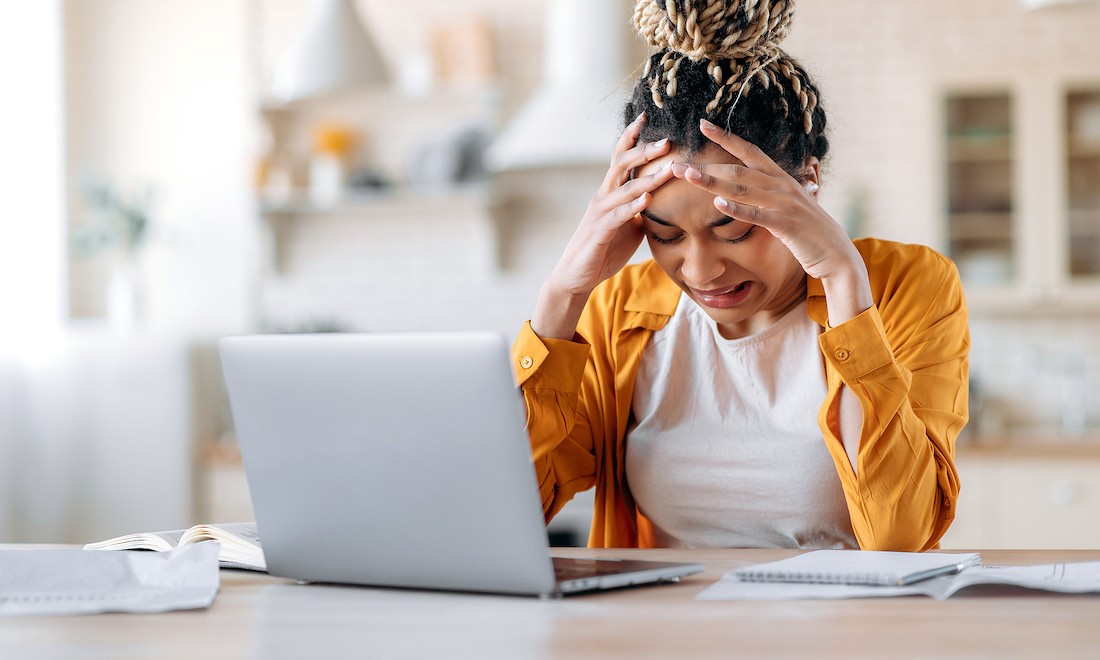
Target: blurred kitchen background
{"type": "Point", "coordinates": [177, 170]}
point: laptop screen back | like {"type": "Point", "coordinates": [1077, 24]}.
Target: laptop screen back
{"type": "Point", "coordinates": [389, 459]}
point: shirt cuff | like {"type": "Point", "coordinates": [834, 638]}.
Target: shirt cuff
{"type": "Point", "coordinates": [555, 364]}
{"type": "Point", "coordinates": [858, 346]}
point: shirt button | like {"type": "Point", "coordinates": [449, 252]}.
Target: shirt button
{"type": "Point", "coordinates": [841, 354]}
{"type": "Point", "coordinates": [526, 362]}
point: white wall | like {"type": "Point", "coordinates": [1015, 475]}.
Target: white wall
{"type": "Point", "coordinates": [95, 424]}
{"type": "Point", "coordinates": [159, 94]}
{"type": "Point", "coordinates": [32, 297]}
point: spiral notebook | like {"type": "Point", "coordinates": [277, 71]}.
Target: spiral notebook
{"type": "Point", "coordinates": [865, 567]}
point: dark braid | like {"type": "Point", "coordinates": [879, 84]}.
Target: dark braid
{"type": "Point", "coordinates": [720, 60]}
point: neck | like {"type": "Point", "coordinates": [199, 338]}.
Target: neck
{"type": "Point", "coordinates": [790, 298]}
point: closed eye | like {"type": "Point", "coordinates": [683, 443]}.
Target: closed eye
{"type": "Point", "coordinates": [666, 241]}
{"type": "Point", "coordinates": [744, 236]}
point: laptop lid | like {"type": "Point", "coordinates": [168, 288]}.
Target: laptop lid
{"type": "Point", "coordinates": [400, 460]}
{"type": "Point", "coordinates": [389, 459]}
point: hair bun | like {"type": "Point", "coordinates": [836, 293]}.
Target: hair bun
{"type": "Point", "coordinates": [714, 29]}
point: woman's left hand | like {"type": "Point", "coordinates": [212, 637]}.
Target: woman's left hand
{"type": "Point", "coordinates": [762, 193]}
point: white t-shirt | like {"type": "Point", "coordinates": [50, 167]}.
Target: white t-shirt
{"type": "Point", "coordinates": [726, 451]}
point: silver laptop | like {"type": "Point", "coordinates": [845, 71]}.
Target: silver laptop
{"type": "Point", "coordinates": [400, 460]}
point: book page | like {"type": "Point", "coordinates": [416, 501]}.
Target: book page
{"type": "Point", "coordinates": [241, 547]}
{"type": "Point", "coordinates": [1076, 578]}
{"type": "Point", "coordinates": [158, 541]}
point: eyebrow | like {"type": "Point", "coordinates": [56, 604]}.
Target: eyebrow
{"type": "Point", "coordinates": [720, 222]}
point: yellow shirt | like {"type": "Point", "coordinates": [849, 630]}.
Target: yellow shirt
{"type": "Point", "coordinates": [905, 358]}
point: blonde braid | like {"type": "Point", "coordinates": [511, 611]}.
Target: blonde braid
{"type": "Point", "coordinates": [713, 29]}
{"type": "Point", "coordinates": [739, 37]}
{"type": "Point", "coordinates": [738, 40]}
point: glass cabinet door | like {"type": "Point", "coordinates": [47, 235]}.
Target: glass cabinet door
{"type": "Point", "coordinates": [1083, 178]}
{"type": "Point", "coordinates": [980, 208]}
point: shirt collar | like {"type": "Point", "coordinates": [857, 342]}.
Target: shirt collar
{"type": "Point", "coordinates": [654, 298]}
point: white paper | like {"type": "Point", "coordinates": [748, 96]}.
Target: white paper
{"type": "Point", "coordinates": [71, 581]}
{"type": "Point", "coordinates": [1082, 577]}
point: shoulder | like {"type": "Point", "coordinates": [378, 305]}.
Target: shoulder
{"type": "Point", "coordinates": [639, 287]}
{"type": "Point", "coordinates": [884, 258]}
{"type": "Point", "coordinates": [912, 285]}
{"type": "Point", "coordinates": [893, 266]}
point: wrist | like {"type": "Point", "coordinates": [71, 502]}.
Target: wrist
{"type": "Point", "coordinates": [557, 312]}
{"type": "Point", "coordinates": [847, 293]}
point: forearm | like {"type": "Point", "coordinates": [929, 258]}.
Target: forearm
{"type": "Point", "coordinates": [900, 480]}
{"type": "Point", "coordinates": [557, 313]}
{"type": "Point", "coordinates": [904, 494]}
{"type": "Point", "coordinates": [550, 374]}
{"type": "Point", "coordinates": [847, 295]}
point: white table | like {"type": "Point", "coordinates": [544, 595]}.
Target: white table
{"type": "Point", "coordinates": [258, 616]}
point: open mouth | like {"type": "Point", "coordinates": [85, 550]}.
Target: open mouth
{"type": "Point", "coordinates": [721, 298]}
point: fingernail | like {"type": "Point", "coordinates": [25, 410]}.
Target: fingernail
{"type": "Point", "coordinates": [639, 117]}
{"type": "Point", "coordinates": [679, 168]}
{"type": "Point", "coordinates": [707, 126]}
{"type": "Point", "coordinates": [812, 187]}
{"type": "Point", "coordinates": [722, 202]}
{"type": "Point", "coordinates": [693, 174]}
{"type": "Point", "coordinates": [660, 144]}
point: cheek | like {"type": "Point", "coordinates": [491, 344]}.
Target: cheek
{"type": "Point", "coordinates": [778, 261]}
{"type": "Point", "coordinates": [662, 254]}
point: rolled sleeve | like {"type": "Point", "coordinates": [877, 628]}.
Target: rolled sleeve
{"type": "Point", "coordinates": [857, 347]}
{"type": "Point", "coordinates": [555, 364]}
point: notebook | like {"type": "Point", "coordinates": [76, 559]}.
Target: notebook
{"type": "Point", "coordinates": [859, 567]}
{"type": "Point", "coordinates": [400, 460]}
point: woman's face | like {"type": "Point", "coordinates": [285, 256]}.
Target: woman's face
{"type": "Point", "coordinates": [743, 277]}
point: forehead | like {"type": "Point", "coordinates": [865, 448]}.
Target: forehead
{"type": "Point", "coordinates": [711, 155]}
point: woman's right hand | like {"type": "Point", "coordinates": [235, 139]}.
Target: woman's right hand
{"type": "Point", "coordinates": [607, 237]}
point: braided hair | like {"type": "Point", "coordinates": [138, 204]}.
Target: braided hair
{"type": "Point", "coordinates": [720, 60]}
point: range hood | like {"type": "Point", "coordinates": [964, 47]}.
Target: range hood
{"type": "Point", "coordinates": [573, 117]}
{"type": "Point", "coordinates": [333, 53]}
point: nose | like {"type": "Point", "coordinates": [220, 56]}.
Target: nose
{"type": "Point", "coordinates": [702, 264]}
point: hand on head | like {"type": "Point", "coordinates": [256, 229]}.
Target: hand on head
{"type": "Point", "coordinates": [610, 231]}
{"type": "Point", "coordinates": [756, 190]}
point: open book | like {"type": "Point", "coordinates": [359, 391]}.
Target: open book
{"type": "Point", "coordinates": [240, 543]}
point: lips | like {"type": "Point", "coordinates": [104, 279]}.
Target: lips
{"type": "Point", "coordinates": [723, 298]}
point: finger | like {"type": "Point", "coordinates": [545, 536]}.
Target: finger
{"type": "Point", "coordinates": [733, 182]}
{"type": "Point", "coordinates": [749, 153]}
{"type": "Point", "coordinates": [627, 162]}
{"type": "Point", "coordinates": [637, 187]}
{"type": "Point", "coordinates": [626, 141]}
{"type": "Point", "coordinates": [746, 212]}
{"type": "Point", "coordinates": [640, 155]}
{"type": "Point", "coordinates": [630, 134]}
{"type": "Point", "coordinates": [608, 224]}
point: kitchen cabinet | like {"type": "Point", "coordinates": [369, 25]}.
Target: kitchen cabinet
{"type": "Point", "coordinates": [979, 186]}
{"type": "Point", "coordinates": [1083, 182]}
{"type": "Point", "coordinates": [1022, 196]}
{"type": "Point", "coordinates": [1044, 494]}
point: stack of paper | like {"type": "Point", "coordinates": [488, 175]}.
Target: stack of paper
{"type": "Point", "coordinates": [70, 581]}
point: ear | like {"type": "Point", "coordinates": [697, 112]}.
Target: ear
{"type": "Point", "coordinates": [811, 169]}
